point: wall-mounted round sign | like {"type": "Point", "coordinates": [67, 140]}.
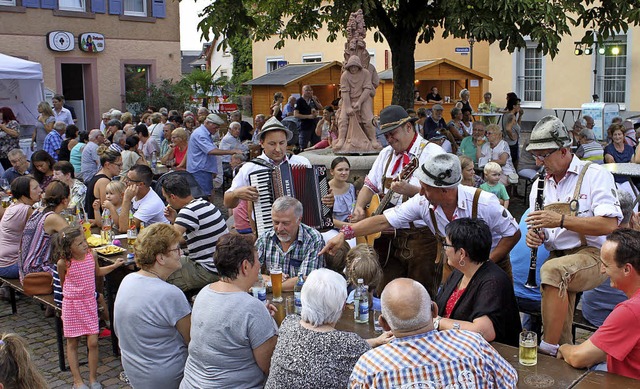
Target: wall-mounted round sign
{"type": "Point", "coordinates": [60, 41]}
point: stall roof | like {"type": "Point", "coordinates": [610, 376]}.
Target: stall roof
{"type": "Point", "coordinates": [429, 63]}
{"type": "Point", "coordinates": [291, 73]}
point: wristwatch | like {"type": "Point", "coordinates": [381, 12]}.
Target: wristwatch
{"type": "Point", "coordinates": [456, 326]}
{"type": "Point", "coordinates": [436, 323]}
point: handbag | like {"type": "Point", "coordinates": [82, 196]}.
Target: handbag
{"type": "Point", "coordinates": [38, 283]}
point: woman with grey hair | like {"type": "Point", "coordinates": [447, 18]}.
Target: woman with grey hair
{"type": "Point", "coordinates": [310, 350]}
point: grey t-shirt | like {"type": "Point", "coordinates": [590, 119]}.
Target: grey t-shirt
{"type": "Point", "coordinates": [308, 359]}
{"type": "Point", "coordinates": [225, 329]}
{"type": "Point", "coordinates": [145, 315]}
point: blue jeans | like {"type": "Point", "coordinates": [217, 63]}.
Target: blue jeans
{"type": "Point", "coordinates": [9, 271]}
{"type": "Point", "coordinates": [205, 181]}
{"type": "Point", "coordinates": [531, 316]}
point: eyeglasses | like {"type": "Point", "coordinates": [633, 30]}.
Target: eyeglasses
{"type": "Point", "coordinates": [542, 157]}
{"type": "Point", "coordinates": [179, 250]}
{"type": "Point", "coordinates": [445, 245]}
{"type": "Point", "coordinates": [127, 179]}
{"type": "Point", "coordinates": [117, 164]}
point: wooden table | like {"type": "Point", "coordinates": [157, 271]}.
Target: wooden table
{"type": "Point", "coordinates": [548, 373]}
{"type": "Point", "coordinates": [604, 380]}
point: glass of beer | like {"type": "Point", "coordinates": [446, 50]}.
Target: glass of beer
{"type": "Point", "coordinates": [276, 283]}
{"type": "Point", "coordinates": [528, 352]}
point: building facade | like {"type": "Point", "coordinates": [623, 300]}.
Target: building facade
{"type": "Point", "coordinates": [94, 51]}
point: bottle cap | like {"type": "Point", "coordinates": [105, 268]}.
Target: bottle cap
{"type": "Point", "coordinates": [375, 304]}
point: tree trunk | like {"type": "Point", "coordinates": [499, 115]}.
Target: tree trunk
{"type": "Point", "coordinates": [403, 64]}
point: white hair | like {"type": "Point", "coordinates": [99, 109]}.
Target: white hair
{"type": "Point", "coordinates": [115, 114]}
{"type": "Point", "coordinates": [420, 298]}
{"type": "Point", "coordinates": [284, 203]}
{"type": "Point", "coordinates": [323, 296]}
{"type": "Point", "coordinates": [94, 134]}
{"type": "Point", "coordinates": [235, 124]}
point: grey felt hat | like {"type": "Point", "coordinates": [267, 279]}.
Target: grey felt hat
{"type": "Point", "coordinates": [392, 117]}
{"type": "Point", "coordinates": [213, 118]}
{"type": "Point", "coordinates": [549, 133]}
{"type": "Point", "coordinates": [274, 124]}
{"type": "Point", "coordinates": [440, 171]}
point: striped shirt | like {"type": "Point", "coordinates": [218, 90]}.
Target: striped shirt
{"type": "Point", "coordinates": [591, 151]}
{"type": "Point", "coordinates": [205, 225]}
{"type": "Point", "coordinates": [302, 256]}
{"type": "Point", "coordinates": [445, 359]}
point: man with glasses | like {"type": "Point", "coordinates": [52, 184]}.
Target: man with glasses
{"type": "Point", "coordinates": [440, 200]}
{"type": "Point", "coordinates": [202, 152]}
{"type": "Point", "coordinates": [146, 205]}
{"type": "Point", "coordinates": [201, 224]}
{"type": "Point", "coordinates": [19, 165]}
{"type": "Point", "coordinates": [580, 207]}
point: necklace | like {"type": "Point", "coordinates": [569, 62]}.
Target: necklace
{"type": "Point", "coordinates": [155, 274]}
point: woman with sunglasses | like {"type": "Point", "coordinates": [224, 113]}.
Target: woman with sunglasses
{"type": "Point", "coordinates": [111, 162]}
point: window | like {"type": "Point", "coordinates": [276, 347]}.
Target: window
{"type": "Point", "coordinates": [612, 72]}
{"type": "Point", "coordinates": [10, 3]}
{"type": "Point", "coordinates": [529, 68]}
{"type": "Point", "coordinates": [372, 56]}
{"type": "Point", "coordinates": [136, 82]}
{"type": "Point", "coordinates": [71, 5]}
{"type": "Point", "coordinates": [308, 58]}
{"type": "Point", "coordinates": [135, 7]}
{"type": "Point", "coordinates": [275, 62]}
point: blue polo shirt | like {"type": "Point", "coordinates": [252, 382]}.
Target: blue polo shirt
{"type": "Point", "coordinates": [198, 158]}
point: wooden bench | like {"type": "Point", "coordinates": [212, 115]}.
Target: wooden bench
{"type": "Point", "coordinates": [46, 301]}
{"type": "Point", "coordinates": [580, 322]}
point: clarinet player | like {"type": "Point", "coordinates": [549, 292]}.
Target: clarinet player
{"type": "Point", "coordinates": [580, 208]}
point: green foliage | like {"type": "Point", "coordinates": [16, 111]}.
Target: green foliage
{"type": "Point", "coordinates": [403, 22]}
{"type": "Point", "coordinates": [242, 63]}
{"type": "Point", "coordinates": [164, 93]}
{"type": "Point", "coordinates": [201, 81]}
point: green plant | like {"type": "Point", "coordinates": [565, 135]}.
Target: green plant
{"type": "Point", "coordinates": [164, 93]}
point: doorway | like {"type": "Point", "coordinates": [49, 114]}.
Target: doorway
{"type": "Point", "coordinates": [73, 89]}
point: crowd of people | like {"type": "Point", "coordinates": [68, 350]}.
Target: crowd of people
{"type": "Point", "coordinates": [448, 268]}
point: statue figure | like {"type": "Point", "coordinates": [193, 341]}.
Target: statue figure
{"type": "Point", "coordinates": [358, 83]}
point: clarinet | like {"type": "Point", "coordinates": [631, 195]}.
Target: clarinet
{"type": "Point", "coordinates": [539, 205]}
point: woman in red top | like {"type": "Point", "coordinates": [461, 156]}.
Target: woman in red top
{"type": "Point", "coordinates": [478, 296]}
{"type": "Point", "coordinates": [177, 149]}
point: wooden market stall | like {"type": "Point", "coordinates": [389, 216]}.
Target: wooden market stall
{"type": "Point", "coordinates": [324, 77]}
{"type": "Point", "coordinates": [448, 76]}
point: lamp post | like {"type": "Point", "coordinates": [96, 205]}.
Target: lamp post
{"type": "Point", "coordinates": [471, 42]}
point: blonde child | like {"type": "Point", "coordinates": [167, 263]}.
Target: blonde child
{"type": "Point", "coordinates": [492, 174]}
{"type": "Point", "coordinates": [78, 268]}
{"type": "Point", "coordinates": [114, 195]}
{"type": "Point", "coordinates": [362, 262]}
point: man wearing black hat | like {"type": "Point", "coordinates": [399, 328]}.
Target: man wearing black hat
{"type": "Point", "coordinates": [440, 200]}
{"type": "Point", "coordinates": [404, 145]}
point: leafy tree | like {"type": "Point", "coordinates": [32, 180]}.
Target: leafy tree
{"type": "Point", "coordinates": [242, 62]}
{"type": "Point", "coordinates": [164, 93]}
{"type": "Point", "coordinates": [404, 22]}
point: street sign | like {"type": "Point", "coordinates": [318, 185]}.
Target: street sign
{"type": "Point", "coordinates": [462, 50]}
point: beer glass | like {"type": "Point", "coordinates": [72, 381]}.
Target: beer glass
{"type": "Point", "coordinates": [528, 351]}
{"type": "Point", "coordinates": [276, 283]}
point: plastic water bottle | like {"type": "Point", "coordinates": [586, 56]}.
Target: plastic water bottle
{"type": "Point", "coordinates": [363, 307]}
{"type": "Point", "coordinates": [297, 292]}
{"type": "Point", "coordinates": [105, 234]}
{"type": "Point", "coordinates": [377, 311]}
{"type": "Point", "coordinates": [357, 296]}
{"type": "Point", "coordinates": [154, 161]}
{"type": "Point", "coordinates": [259, 290]}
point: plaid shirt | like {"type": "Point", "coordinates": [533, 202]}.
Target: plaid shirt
{"type": "Point", "coordinates": [302, 256]}
{"type": "Point", "coordinates": [52, 143]}
{"type": "Point", "coordinates": [444, 359]}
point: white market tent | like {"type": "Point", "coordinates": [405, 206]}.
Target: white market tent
{"type": "Point", "coordinates": [21, 88]}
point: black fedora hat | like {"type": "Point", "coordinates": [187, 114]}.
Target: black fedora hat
{"type": "Point", "coordinates": [392, 117]}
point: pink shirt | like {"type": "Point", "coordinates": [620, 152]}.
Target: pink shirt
{"type": "Point", "coordinates": [11, 227]}
{"type": "Point", "coordinates": [241, 216]}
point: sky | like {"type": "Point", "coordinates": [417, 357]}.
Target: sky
{"type": "Point", "coordinates": [189, 34]}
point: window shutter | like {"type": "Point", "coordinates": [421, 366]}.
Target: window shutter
{"type": "Point", "coordinates": [159, 10]}
{"type": "Point", "coordinates": [99, 6]}
{"type": "Point", "coordinates": [31, 3]}
{"type": "Point", "coordinates": [49, 4]}
{"type": "Point", "coordinates": [115, 7]}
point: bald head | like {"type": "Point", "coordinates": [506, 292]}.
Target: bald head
{"type": "Point", "coordinates": [406, 305]}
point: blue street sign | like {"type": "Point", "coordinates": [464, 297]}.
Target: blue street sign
{"type": "Point", "coordinates": [462, 50]}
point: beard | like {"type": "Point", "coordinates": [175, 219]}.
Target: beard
{"type": "Point", "coordinates": [284, 237]}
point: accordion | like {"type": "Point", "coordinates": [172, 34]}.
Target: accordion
{"type": "Point", "coordinates": [307, 185]}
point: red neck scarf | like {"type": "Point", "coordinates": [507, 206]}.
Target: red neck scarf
{"type": "Point", "coordinates": [404, 159]}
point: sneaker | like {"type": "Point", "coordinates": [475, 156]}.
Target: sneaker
{"type": "Point", "coordinates": [123, 377]}
{"type": "Point", "coordinates": [104, 333]}
{"type": "Point", "coordinates": [96, 385]}
{"type": "Point", "coordinates": [83, 386]}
